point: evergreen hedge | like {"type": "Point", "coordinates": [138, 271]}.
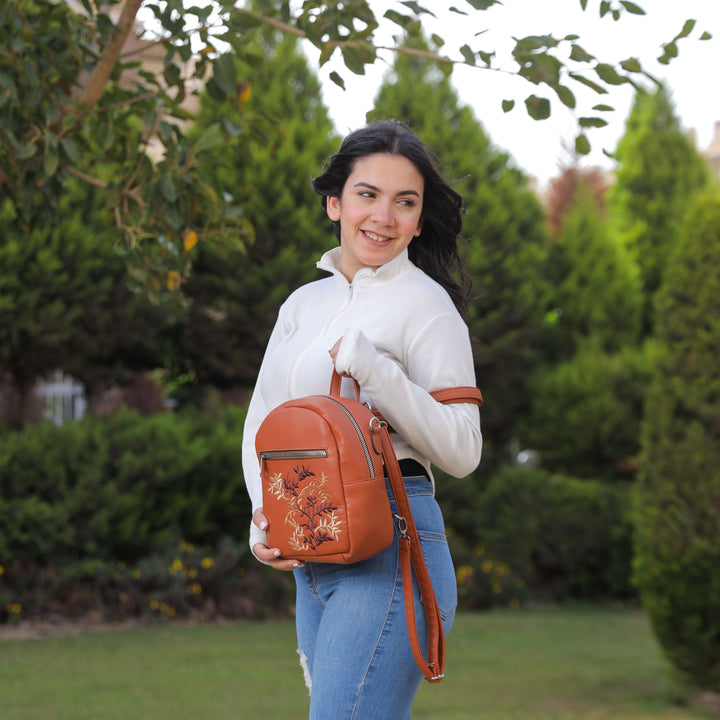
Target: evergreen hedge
{"type": "Point", "coordinates": [133, 516]}
{"type": "Point", "coordinates": [567, 538]}
{"type": "Point", "coordinates": [121, 487]}
{"type": "Point", "coordinates": [677, 504]}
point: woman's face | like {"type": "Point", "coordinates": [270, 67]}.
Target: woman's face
{"type": "Point", "coordinates": [379, 211]}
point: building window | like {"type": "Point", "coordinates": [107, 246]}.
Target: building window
{"type": "Point", "coordinates": [62, 398]}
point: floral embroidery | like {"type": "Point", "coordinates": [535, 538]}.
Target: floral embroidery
{"type": "Point", "coordinates": [311, 512]}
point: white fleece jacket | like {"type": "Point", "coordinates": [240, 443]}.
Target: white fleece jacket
{"type": "Point", "coordinates": [402, 338]}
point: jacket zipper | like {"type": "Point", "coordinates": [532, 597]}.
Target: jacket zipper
{"type": "Point", "coordinates": [371, 470]}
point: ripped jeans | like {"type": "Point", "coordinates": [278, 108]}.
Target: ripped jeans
{"type": "Point", "coordinates": [352, 635]}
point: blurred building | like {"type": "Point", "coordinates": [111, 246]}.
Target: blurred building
{"type": "Point", "coordinates": [712, 152]}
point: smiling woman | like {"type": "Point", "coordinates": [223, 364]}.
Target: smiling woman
{"type": "Point", "coordinates": [379, 211]}
{"type": "Point", "coordinates": [388, 316]}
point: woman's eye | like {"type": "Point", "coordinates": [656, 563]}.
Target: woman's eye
{"type": "Point", "coordinates": [408, 203]}
{"type": "Point", "coordinates": [367, 194]}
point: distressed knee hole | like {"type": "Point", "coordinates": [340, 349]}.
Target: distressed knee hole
{"type": "Point", "coordinates": [305, 669]}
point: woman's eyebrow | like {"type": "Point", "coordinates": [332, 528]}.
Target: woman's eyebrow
{"type": "Point", "coordinates": [369, 186]}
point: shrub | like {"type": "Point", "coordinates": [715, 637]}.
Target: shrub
{"type": "Point", "coordinates": [566, 538]}
{"type": "Point", "coordinates": [677, 503]}
{"type": "Point", "coordinates": [181, 580]}
{"type": "Point", "coordinates": [121, 487]}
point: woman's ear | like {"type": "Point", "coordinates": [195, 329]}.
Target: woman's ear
{"type": "Point", "coordinates": [333, 208]}
{"type": "Point", "coordinates": [419, 227]}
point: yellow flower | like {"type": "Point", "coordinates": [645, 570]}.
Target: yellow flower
{"type": "Point", "coordinates": [136, 573]}
{"type": "Point", "coordinates": [190, 241]}
{"type": "Point", "coordinates": [487, 566]}
{"type": "Point", "coordinates": [154, 605]}
{"type": "Point", "coordinates": [2, 569]}
{"type": "Point", "coordinates": [169, 611]}
{"type": "Point", "coordinates": [14, 608]}
{"type": "Point", "coordinates": [195, 589]}
{"type": "Point", "coordinates": [463, 572]}
{"type": "Point", "coordinates": [176, 567]}
{"type": "Point", "coordinates": [191, 573]}
{"type": "Point", "coordinates": [173, 280]}
{"type": "Point", "coordinates": [207, 562]}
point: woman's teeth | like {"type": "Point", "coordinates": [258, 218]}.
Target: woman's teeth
{"type": "Point", "coordinates": [376, 238]}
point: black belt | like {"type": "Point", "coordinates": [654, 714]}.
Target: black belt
{"type": "Point", "coordinates": [412, 468]}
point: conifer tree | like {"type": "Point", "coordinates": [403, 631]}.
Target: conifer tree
{"type": "Point", "coordinates": [286, 136]}
{"type": "Point", "coordinates": [658, 171]}
{"type": "Point", "coordinates": [597, 294]}
{"type": "Point", "coordinates": [505, 234]}
{"type": "Point", "coordinates": [677, 560]}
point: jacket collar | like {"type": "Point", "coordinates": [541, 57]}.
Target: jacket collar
{"type": "Point", "coordinates": [330, 261]}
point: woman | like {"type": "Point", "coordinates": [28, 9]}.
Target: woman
{"type": "Point", "coordinates": [388, 316]}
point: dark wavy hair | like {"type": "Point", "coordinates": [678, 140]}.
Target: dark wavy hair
{"type": "Point", "coordinates": [435, 250]}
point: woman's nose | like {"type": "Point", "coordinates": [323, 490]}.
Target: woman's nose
{"type": "Point", "coordinates": [383, 213]}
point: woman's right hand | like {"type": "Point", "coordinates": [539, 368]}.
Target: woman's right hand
{"type": "Point", "coordinates": [271, 556]}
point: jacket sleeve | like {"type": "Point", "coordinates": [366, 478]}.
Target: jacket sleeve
{"type": "Point", "coordinates": [439, 357]}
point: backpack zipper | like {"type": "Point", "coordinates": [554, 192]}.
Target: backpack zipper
{"type": "Point", "coordinates": [371, 470]}
{"type": "Point", "coordinates": [291, 454]}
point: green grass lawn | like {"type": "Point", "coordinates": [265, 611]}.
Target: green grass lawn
{"type": "Point", "coordinates": [529, 664]}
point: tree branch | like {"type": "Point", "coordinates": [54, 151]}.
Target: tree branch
{"type": "Point", "coordinates": [110, 54]}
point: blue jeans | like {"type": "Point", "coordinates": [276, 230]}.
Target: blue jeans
{"type": "Point", "coordinates": [352, 635]}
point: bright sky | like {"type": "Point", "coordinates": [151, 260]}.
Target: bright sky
{"type": "Point", "coordinates": [537, 146]}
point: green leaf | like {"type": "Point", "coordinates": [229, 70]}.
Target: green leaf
{"type": "Point", "coordinates": [688, 27]}
{"type": "Point", "coordinates": [353, 60]}
{"type": "Point", "coordinates": [599, 89]}
{"type": "Point", "coordinates": [337, 79]}
{"type": "Point", "coordinates": [579, 54]}
{"type": "Point", "coordinates": [483, 4]}
{"type": "Point", "coordinates": [632, 7]}
{"type": "Point", "coordinates": [670, 51]}
{"type": "Point", "coordinates": [583, 4]}
{"type": "Point", "coordinates": [607, 73]}
{"type": "Point", "coordinates": [326, 53]}
{"type": "Point", "coordinates": [538, 108]}
{"type": "Point", "coordinates": [582, 145]}
{"type": "Point", "coordinates": [25, 151]}
{"type": "Point", "coordinates": [486, 57]}
{"type": "Point", "coordinates": [566, 96]}
{"type": "Point", "coordinates": [211, 138]}
{"type": "Point", "coordinates": [468, 54]}
{"type": "Point", "coordinates": [51, 160]}
{"type": "Point", "coordinates": [631, 65]}
{"type": "Point", "coordinates": [402, 20]}
{"type": "Point", "coordinates": [706, 36]}
{"type": "Point", "coordinates": [224, 73]}
{"type": "Point", "coordinates": [168, 188]}
{"type": "Point", "coordinates": [592, 122]}
{"type": "Point", "coordinates": [70, 149]}
{"type": "Point", "coordinates": [508, 105]}
{"type": "Point", "coordinates": [416, 8]}
{"type": "Point", "coordinates": [603, 108]}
